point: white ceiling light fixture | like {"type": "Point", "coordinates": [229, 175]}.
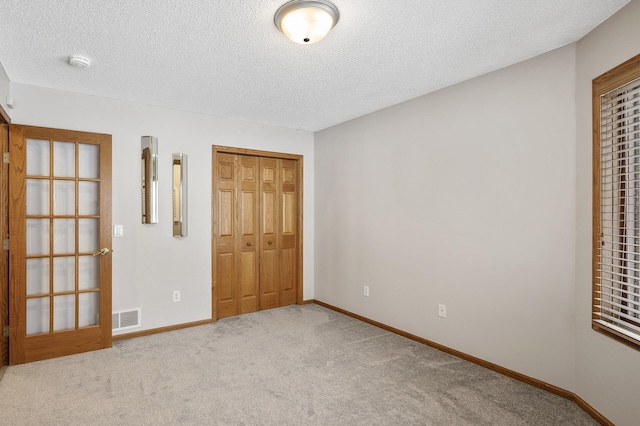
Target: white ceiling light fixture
{"type": "Point", "coordinates": [79, 61]}
{"type": "Point", "coordinates": [306, 21]}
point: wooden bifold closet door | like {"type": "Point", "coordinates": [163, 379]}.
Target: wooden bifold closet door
{"type": "Point", "coordinates": [256, 262]}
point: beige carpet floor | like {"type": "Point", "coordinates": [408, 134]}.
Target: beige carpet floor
{"type": "Point", "coordinates": [299, 365]}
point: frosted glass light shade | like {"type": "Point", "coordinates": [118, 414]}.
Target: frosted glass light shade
{"type": "Point", "coordinates": [306, 22]}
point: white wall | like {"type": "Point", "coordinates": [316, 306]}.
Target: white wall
{"type": "Point", "coordinates": [608, 372]}
{"type": "Point", "coordinates": [463, 197]}
{"type": "Point", "coordinates": [4, 90]}
{"type": "Point", "coordinates": [148, 263]}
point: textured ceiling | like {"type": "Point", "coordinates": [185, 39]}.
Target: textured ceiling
{"type": "Point", "coordinates": [226, 58]}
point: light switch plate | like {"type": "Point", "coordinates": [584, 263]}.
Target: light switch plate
{"type": "Point", "coordinates": [118, 231]}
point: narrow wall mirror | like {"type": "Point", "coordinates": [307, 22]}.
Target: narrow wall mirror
{"type": "Point", "coordinates": [179, 165]}
{"type": "Point", "coordinates": [149, 179]}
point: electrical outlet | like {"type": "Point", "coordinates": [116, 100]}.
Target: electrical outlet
{"type": "Point", "coordinates": [442, 311]}
{"type": "Point", "coordinates": [176, 296]}
{"type": "Point", "coordinates": [366, 290]}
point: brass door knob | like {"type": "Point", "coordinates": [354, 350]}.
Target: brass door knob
{"type": "Point", "coordinates": [105, 251]}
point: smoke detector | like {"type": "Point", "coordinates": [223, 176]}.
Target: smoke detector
{"type": "Point", "coordinates": [79, 61]}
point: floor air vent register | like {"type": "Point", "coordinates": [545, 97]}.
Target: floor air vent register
{"type": "Point", "coordinates": [123, 320]}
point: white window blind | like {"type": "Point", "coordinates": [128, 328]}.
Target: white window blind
{"type": "Point", "coordinates": [617, 259]}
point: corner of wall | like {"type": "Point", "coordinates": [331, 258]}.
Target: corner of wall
{"type": "Point", "coordinates": [5, 90]}
{"type": "Point", "coordinates": [419, 210]}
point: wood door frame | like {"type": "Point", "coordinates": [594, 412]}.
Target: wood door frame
{"type": "Point", "coordinates": [299, 183]}
{"type": "Point", "coordinates": [4, 233]}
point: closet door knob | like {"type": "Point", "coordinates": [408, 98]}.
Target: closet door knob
{"type": "Point", "coordinates": [248, 244]}
{"type": "Point", "coordinates": [270, 242]}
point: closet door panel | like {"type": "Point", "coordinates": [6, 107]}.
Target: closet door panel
{"type": "Point", "coordinates": [269, 234]}
{"type": "Point", "coordinates": [288, 228]}
{"type": "Point", "coordinates": [268, 285]}
{"type": "Point", "coordinates": [249, 281]}
{"type": "Point", "coordinates": [226, 277]}
{"type": "Point", "coordinates": [287, 277]}
{"type": "Point", "coordinates": [249, 212]}
{"type": "Point", "coordinates": [225, 234]}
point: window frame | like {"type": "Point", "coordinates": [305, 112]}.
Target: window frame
{"type": "Point", "coordinates": [611, 80]}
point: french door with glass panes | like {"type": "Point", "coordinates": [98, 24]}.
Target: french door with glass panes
{"type": "Point", "coordinates": [60, 240]}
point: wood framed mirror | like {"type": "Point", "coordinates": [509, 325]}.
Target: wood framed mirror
{"type": "Point", "coordinates": [149, 179]}
{"type": "Point", "coordinates": [179, 194]}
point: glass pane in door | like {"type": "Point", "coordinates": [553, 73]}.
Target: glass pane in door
{"type": "Point", "coordinates": [88, 193]}
{"type": "Point", "coordinates": [37, 315]}
{"type": "Point", "coordinates": [37, 276]}
{"type": "Point", "coordinates": [88, 309]}
{"type": "Point", "coordinates": [64, 159]}
{"type": "Point", "coordinates": [37, 236]}
{"type": "Point", "coordinates": [88, 272]}
{"type": "Point", "coordinates": [88, 238]}
{"type": "Point", "coordinates": [38, 197]}
{"type": "Point", "coordinates": [64, 198]}
{"type": "Point", "coordinates": [64, 236]}
{"type": "Point", "coordinates": [88, 161]}
{"type": "Point", "coordinates": [38, 157]}
{"type": "Point", "coordinates": [64, 312]}
{"type": "Point", "coordinates": [64, 274]}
